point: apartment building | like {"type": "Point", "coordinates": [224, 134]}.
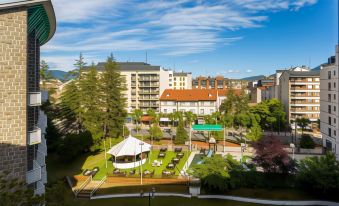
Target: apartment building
{"type": "Point", "coordinates": [24, 27]}
{"type": "Point", "coordinates": [299, 91]}
{"type": "Point", "coordinates": [218, 82]}
{"type": "Point", "coordinates": [182, 80]}
{"type": "Point", "coordinates": [144, 84]}
{"type": "Point", "coordinates": [200, 102]}
{"type": "Point", "coordinates": [329, 104]}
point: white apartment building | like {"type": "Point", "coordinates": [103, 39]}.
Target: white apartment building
{"type": "Point", "coordinates": [329, 105]}
{"type": "Point", "coordinates": [144, 84]}
{"type": "Point", "coordinates": [182, 80]}
{"type": "Point", "coordinates": [200, 102]}
{"type": "Point", "coordinates": [299, 91]}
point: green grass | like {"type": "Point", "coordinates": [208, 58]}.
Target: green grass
{"type": "Point", "coordinates": [99, 161]}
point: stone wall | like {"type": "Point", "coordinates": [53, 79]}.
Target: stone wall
{"type": "Point", "coordinates": [13, 92]}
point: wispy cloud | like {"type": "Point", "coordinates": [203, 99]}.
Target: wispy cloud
{"type": "Point", "coordinates": [170, 27]}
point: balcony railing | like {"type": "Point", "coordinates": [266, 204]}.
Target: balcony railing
{"type": "Point", "coordinates": [34, 137]}
{"type": "Point", "coordinates": [44, 175]}
{"type": "Point", "coordinates": [149, 79]}
{"type": "Point", "coordinates": [42, 122]}
{"type": "Point", "coordinates": [149, 85]}
{"type": "Point", "coordinates": [149, 92]}
{"type": "Point", "coordinates": [34, 99]}
{"type": "Point", "coordinates": [41, 158]}
{"type": "Point", "coordinates": [40, 190]}
{"type": "Point", "coordinates": [33, 175]}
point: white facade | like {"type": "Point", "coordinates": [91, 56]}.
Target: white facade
{"type": "Point", "coordinates": [329, 105]}
{"type": "Point", "coordinates": [182, 80]}
{"type": "Point", "coordinates": [199, 108]}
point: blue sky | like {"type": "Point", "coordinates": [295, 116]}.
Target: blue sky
{"type": "Point", "coordinates": [235, 38]}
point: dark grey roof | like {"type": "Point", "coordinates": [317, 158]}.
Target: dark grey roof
{"type": "Point", "coordinates": [304, 74]}
{"type": "Point", "coordinates": [181, 74]}
{"type": "Point", "coordinates": [131, 66]}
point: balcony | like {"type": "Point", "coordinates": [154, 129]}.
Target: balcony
{"type": "Point", "coordinates": [34, 137]}
{"type": "Point", "coordinates": [149, 85]}
{"type": "Point", "coordinates": [34, 175]}
{"type": "Point", "coordinates": [149, 92]}
{"type": "Point", "coordinates": [40, 189]}
{"type": "Point", "coordinates": [141, 79]}
{"type": "Point", "coordinates": [44, 175]}
{"type": "Point", "coordinates": [42, 147]}
{"type": "Point", "coordinates": [41, 158]}
{"type": "Point", "coordinates": [42, 121]}
{"type": "Point", "coordinates": [34, 99]}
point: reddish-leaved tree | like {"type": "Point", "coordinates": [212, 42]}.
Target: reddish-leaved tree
{"type": "Point", "coordinates": [271, 156]}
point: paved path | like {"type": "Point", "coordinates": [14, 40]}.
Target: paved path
{"type": "Point", "coordinates": [269, 202]}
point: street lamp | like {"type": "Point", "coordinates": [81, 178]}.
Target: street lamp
{"type": "Point", "coordinates": [141, 143]}
{"type": "Point", "coordinates": [190, 139]}
{"type": "Point", "coordinates": [149, 196]}
{"type": "Point", "coordinates": [292, 147]}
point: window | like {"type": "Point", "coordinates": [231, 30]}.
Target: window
{"type": "Point", "coordinates": [174, 110]}
{"type": "Point", "coordinates": [170, 75]}
{"type": "Point", "coordinates": [329, 74]}
{"type": "Point", "coordinates": [334, 121]}
{"type": "Point", "coordinates": [211, 111]}
{"type": "Point", "coordinates": [329, 109]}
{"type": "Point", "coordinates": [334, 73]}
{"type": "Point", "coordinates": [317, 79]}
{"type": "Point", "coordinates": [334, 96]}
{"type": "Point", "coordinates": [329, 121]}
{"type": "Point", "coordinates": [329, 132]}
{"type": "Point", "coordinates": [165, 111]}
{"type": "Point", "coordinates": [201, 111]}
{"type": "Point", "coordinates": [329, 86]}
{"type": "Point", "coordinates": [334, 133]}
{"type": "Point", "coordinates": [309, 79]}
{"type": "Point", "coordinates": [334, 85]}
{"type": "Point", "coordinates": [329, 97]}
{"type": "Point", "coordinates": [317, 86]}
{"type": "Point", "coordinates": [334, 108]}
{"type": "Point", "coordinates": [309, 86]}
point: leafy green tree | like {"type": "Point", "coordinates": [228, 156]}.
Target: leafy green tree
{"type": "Point", "coordinates": [303, 123]}
{"type": "Point", "coordinates": [209, 119]}
{"type": "Point", "coordinates": [271, 121]}
{"type": "Point", "coordinates": [319, 174]}
{"type": "Point", "coordinates": [13, 192]}
{"type": "Point", "coordinates": [242, 120]}
{"type": "Point", "coordinates": [181, 135]}
{"type": "Point", "coordinates": [156, 132]}
{"type": "Point", "coordinates": [216, 116]}
{"type": "Point", "coordinates": [136, 115]}
{"type": "Point", "coordinates": [307, 142]}
{"type": "Point", "coordinates": [278, 112]}
{"type": "Point", "coordinates": [229, 104]}
{"type": "Point", "coordinates": [154, 117]}
{"type": "Point", "coordinates": [190, 117]}
{"type": "Point", "coordinates": [242, 101]}
{"type": "Point", "coordinates": [59, 194]}
{"type": "Point", "coordinates": [255, 133]}
{"type": "Point", "coordinates": [113, 100]}
{"type": "Point", "coordinates": [214, 172]}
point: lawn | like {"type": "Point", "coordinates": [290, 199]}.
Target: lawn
{"type": "Point", "coordinates": [99, 161]}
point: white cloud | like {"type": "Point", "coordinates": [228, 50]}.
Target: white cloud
{"type": "Point", "coordinates": [180, 27]}
{"type": "Point", "coordinates": [249, 71]}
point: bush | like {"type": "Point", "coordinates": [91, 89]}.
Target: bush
{"type": "Point", "coordinates": [307, 142]}
{"type": "Point", "coordinates": [319, 175]}
{"type": "Point", "coordinates": [73, 145]}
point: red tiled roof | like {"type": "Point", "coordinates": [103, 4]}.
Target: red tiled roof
{"type": "Point", "coordinates": [194, 94]}
{"type": "Point", "coordinates": [146, 118]}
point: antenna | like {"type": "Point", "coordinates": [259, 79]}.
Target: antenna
{"type": "Point", "coordinates": [146, 58]}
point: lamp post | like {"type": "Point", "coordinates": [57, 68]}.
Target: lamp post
{"type": "Point", "coordinates": [141, 143]}
{"type": "Point", "coordinates": [149, 196]}
{"type": "Point", "coordinates": [292, 147]}
{"type": "Point", "coordinates": [224, 140]}
{"type": "Point", "coordinates": [190, 139]}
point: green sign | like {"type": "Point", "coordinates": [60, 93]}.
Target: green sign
{"type": "Point", "coordinates": [207, 127]}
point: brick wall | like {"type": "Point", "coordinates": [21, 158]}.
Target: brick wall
{"type": "Point", "coordinates": [13, 92]}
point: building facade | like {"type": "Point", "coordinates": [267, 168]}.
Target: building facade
{"type": "Point", "coordinates": [299, 91]}
{"type": "Point", "coordinates": [200, 102]}
{"type": "Point", "coordinates": [144, 84]}
{"type": "Point", "coordinates": [218, 82]}
{"type": "Point", "coordinates": [329, 104]}
{"type": "Point", "coordinates": [24, 27]}
{"type": "Point", "coordinates": [182, 80]}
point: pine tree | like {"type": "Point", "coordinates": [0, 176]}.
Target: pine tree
{"type": "Point", "coordinates": [89, 87]}
{"type": "Point", "coordinates": [79, 67]}
{"type": "Point", "coordinates": [113, 100]}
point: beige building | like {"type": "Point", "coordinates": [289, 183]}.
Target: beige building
{"type": "Point", "coordinates": [181, 80]}
{"type": "Point", "coordinates": [218, 82]}
{"type": "Point", "coordinates": [329, 104]}
{"type": "Point", "coordinates": [144, 82]}
{"type": "Point", "coordinates": [24, 27]}
{"type": "Point", "coordinates": [299, 91]}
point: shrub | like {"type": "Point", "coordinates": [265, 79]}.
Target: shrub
{"type": "Point", "coordinates": [307, 142]}
{"type": "Point", "coordinates": [73, 145]}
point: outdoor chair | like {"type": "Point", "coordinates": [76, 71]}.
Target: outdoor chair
{"type": "Point", "coordinates": [170, 166]}
{"type": "Point", "coordinates": [180, 155]}
{"type": "Point", "coordinates": [161, 155]}
{"type": "Point", "coordinates": [175, 160]}
{"type": "Point", "coordinates": [95, 170]}
{"type": "Point", "coordinates": [87, 172]}
{"type": "Point", "coordinates": [132, 172]}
